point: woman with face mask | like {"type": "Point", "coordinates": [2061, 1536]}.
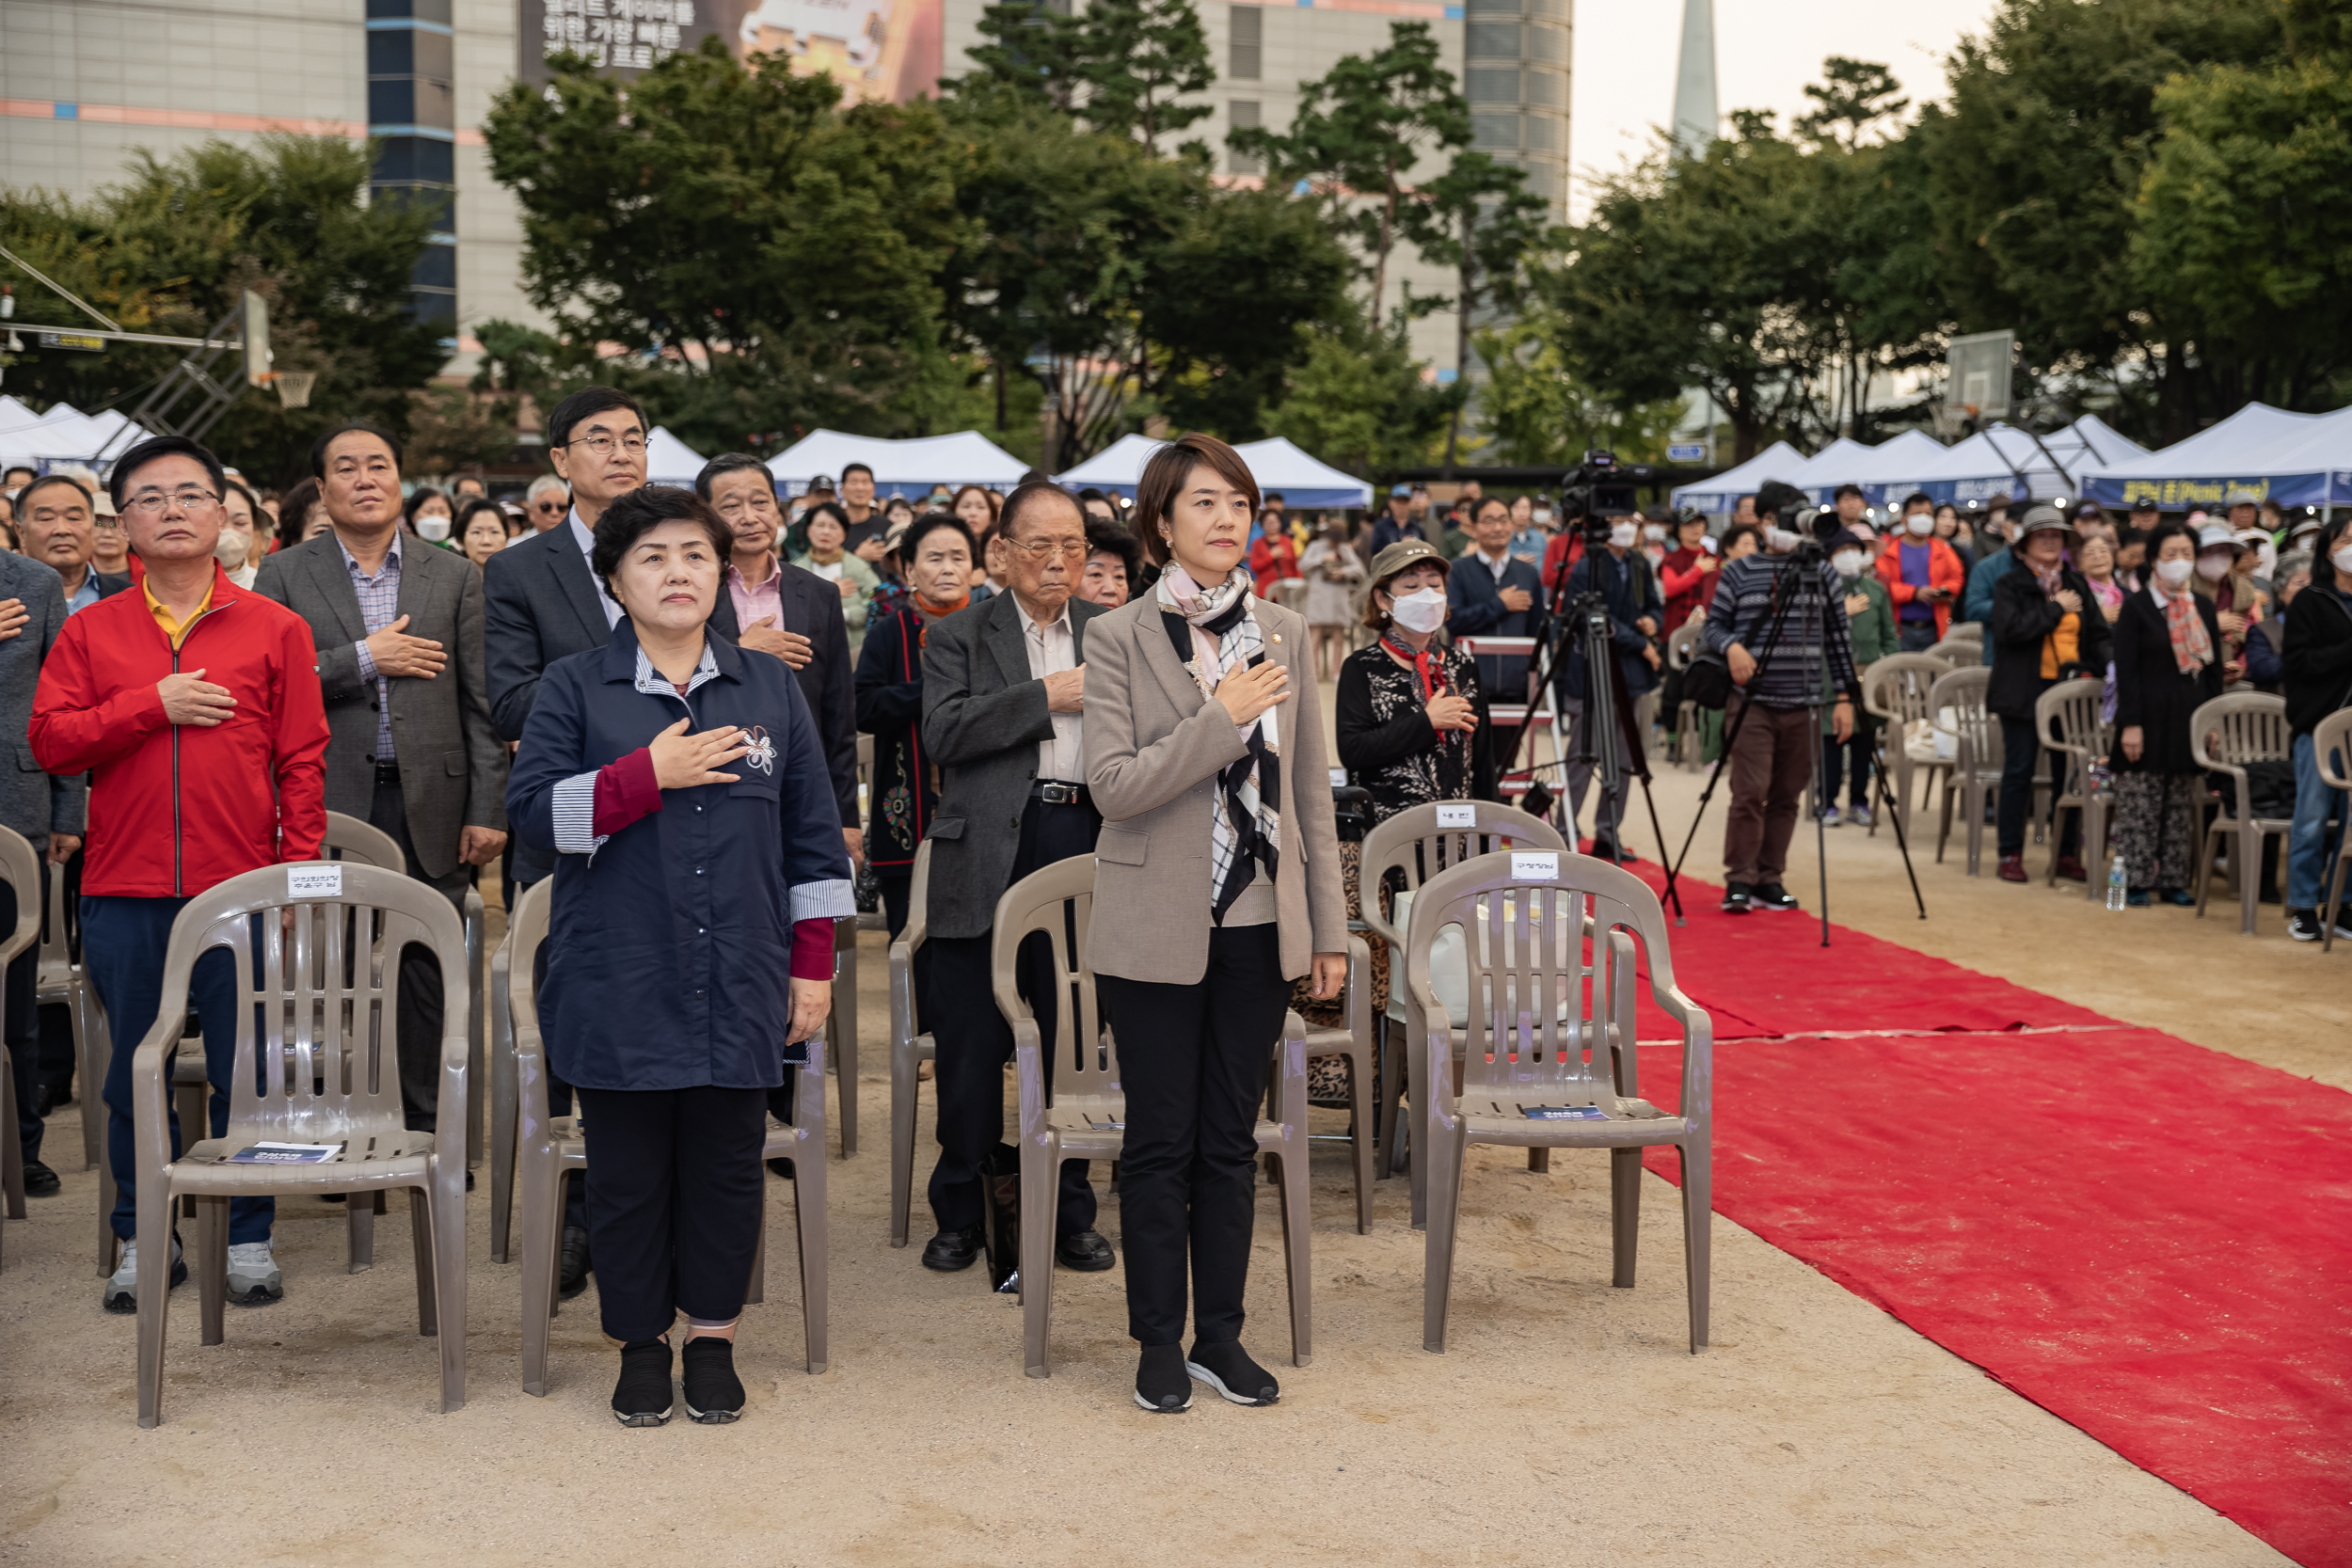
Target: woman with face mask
{"type": "Point", "coordinates": [1410, 716]}
{"type": "Point", "coordinates": [430, 517]}
{"type": "Point", "coordinates": [2237, 603]}
{"type": "Point", "coordinates": [2046, 628]}
{"type": "Point", "coordinates": [2167, 660]}
{"type": "Point", "coordinates": [1871, 628]}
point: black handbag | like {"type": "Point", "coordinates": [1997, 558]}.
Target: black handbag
{"type": "Point", "coordinates": [1708, 681]}
{"type": "Point", "coordinates": [1000, 1217]}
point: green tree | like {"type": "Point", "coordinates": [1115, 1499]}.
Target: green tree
{"type": "Point", "coordinates": [1479, 218]}
{"type": "Point", "coordinates": [170, 250]}
{"type": "Point", "coordinates": [1360, 131]}
{"type": "Point", "coordinates": [1360, 400]}
{"type": "Point", "coordinates": [1537, 413]}
{"type": "Point", "coordinates": [1850, 99]}
{"type": "Point", "coordinates": [771, 256]}
{"type": "Point", "coordinates": [1122, 64]}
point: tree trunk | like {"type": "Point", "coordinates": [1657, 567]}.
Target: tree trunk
{"type": "Point", "coordinates": [1465, 297]}
{"type": "Point", "coordinates": [998, 366]}
{"type": "Point", "coordinates": [1387, 227]}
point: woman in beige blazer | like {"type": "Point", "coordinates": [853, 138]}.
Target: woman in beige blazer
{"type": "Point", "coordinates": [1216, 885]}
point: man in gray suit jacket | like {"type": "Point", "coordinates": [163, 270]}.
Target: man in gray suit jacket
{"type": "Point", "coordinates": [1004, 685]}
{"type": "Point", "coordinates": [398, 628]}
{"type": "Point", "coordinates": [47, 811]}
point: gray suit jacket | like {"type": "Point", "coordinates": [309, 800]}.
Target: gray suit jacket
{"type": "Point", "coordinates": [1154, 746]}
{"type": "Point", "coordinates": [33, 802]}
{"type": "Point", "coordinates": [984, 716]}
{"type": "Point", "coordinates": [453, 766]}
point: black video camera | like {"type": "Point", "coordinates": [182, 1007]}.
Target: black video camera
{"type": "Point", "coordinates": [1600, 488]}
{"type": "Point", "coordinates": [1784, 506]}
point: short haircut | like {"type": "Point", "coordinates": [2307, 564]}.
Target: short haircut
{"type": "Point", "coordinates": [15, 468]}
{"type": "Point", "coordinates": [796, 537]}
{"type": "Point", "coordinates": [1027, 499]}
{"type": "Point", "coordinates": [1845, 490]}
{"type": "Point", "coordinates": [910, 543]}
{"type": "Point", "coordinates": [1749, 498]}
{"type": "Point", "coordinates": [1774, 496]}
{"type": "Point", "coordinates": [995, 502]}
{"type": "Point", "coordinates": [645, 509]}
{"type": "Point", "coordinates": [2171, 528]}
{"type": "Point", "coordinates": [898, 503]}
{"type": "Point", "coordinates": [473, 507]}
{"type": "Point", "coordinates": [544, 484]}
{"type": "Point", "coordinates": [1091, 493]}
{"type": "Point", "coordinates": [1733, 534]}
{"type": "Point", "coordinates": [1164, 476]}
{"type": "Point", "coordinates": [584, 405]}
{"type": "Point", "coordinates": [154, 448]}
{"type": "Point", "coordinates": [1115, 539]}
{"type": "Point", "coordinates": [730, 463]}
{"type": "Point", "coordinates": [318, 448]}
{"type": "Point", "coordinates": [416, 498]}
{"type": "Point", "coordinates": [24, 497]}
{"type": "Point", "coordinates": [293, 507]}
{"type": "Point", "coordinates": [849, 469]}
{"type": "Point", "coordinates": [1274, 497]}
{"type": "Point", "coordinates": [1919, 497]}
{"type": "Point", "coordinates": [2290, 563]}
{"type": "Point", "coordinates": [1479, 506]}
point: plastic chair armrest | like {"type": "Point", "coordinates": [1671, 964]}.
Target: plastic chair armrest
{"type": "Point", "coordinates": [1028, 1065]}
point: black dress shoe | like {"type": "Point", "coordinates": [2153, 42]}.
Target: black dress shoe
{"type": "Point", "coordinates": [1162, 1386]}
{"type": "Point", "coordinates": [641, 1397]}
{"type": "Point", "coordinates": [577, 1266]}
{"type": "Point", "coordinates": [1086, 1251]}
{"type": "Point", "coordinates": [783, 1167]}
{"type": "Point", "coordinates": [41, 1182]}
{"type": "Point", "coordinates": [953, 1250]}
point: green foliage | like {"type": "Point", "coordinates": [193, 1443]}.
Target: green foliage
{"type": "Point", "coordinates": [1479, 218]}
{"type": "Point", "coordinates": [1360, 402]}
{"type": "Point", "coordinates": [1359, 134]}
{"type": "Point", "coordinates": [1122, 64]}
{"type": "Point", "coordinates": [1852, 97]}
{"type": "Point", "coordinates": [1539, 414]}
{"type": "Point", "coordinates": [170, 250]}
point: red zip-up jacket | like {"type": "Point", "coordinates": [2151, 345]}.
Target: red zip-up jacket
{"type": "Point", "coordinates": [175, 808]}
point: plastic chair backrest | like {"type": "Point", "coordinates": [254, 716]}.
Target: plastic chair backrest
{"type": "Point", "coordinates": [1962, 693]}
{"type": "Point", "coordinates": [56, 949]}
{"type": "Point", "coordinates": [1058, 900]}
{"type": "Point", "coordinates": [1414, 843]}
{"type": "Point", "coordinates": [2239, 727]}
{"type": "Point", "coordinates": [526, 929]}
{"type": "Point", "coordinates": [1966, 631]}
{"type": "Point", "coordinates": [1682, 646]}
{"type": "Point", "coordinates": [1956, 650]}
{"type": "Point", "coordinates": [2066, 717]}
{"type": "Point", "coordinates": [2332, 746]}
{"type": "Point", "coordinates": [348, 839]}
{"type": "Point", "coordinates": [1531, 955]}
{"type": "Point", "coordinates": [1897, 686]}
{"type": "Point", "coordinates": [21, 869]}
{"type": "Point", "coordinates": [918, 900]}
{"type": "Point", "coordinates": [326, 1004]}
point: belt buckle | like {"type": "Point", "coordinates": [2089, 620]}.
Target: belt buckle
{"type": "Point", "coordinates": [1060, 794]}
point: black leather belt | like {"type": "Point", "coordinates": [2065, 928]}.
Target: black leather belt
{"type": "Point", "coordinates": [387, 772]}
{"type": "Point", "coordinates": [1056, 794]}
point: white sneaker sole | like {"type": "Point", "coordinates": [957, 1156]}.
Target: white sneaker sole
{"type": "Point", "coordinates": [1142, 1404]}
{"type": "Point", "coordinates": [643, 1418]}
{"type": "Point", "coordinates": [1202, 1374]}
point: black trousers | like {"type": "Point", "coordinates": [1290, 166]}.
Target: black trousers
{"type": "Point", "coordinates": [1861, 749]}
{"type": "Point", "coordinates": [2021, 758]}
{"type": "Point", "coordinates": [1194, 1061]}
{"type": "Point", "coordinates": [975, 1042]}
{"type": "Point", "coordinates": [673, 1215]}
{"type": "Point", "coordinates": [419, 1044]}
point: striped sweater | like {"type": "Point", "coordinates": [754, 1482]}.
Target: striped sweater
{"type": "Point", "coordinates": [1742, 612]}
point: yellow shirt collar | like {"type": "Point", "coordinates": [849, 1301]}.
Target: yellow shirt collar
{"type": "Point", "coordinates": [173, 626]}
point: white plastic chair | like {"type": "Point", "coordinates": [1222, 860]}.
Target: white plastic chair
{"type": "Point", "coordinates": [20, 868]}
{"type": "Point", "coordinates": [1895, 692]}
{"type": "Point", "coordinates": [1956, 706]}
{"type": "Point", "coordinates": [63, 982]}
{"type": "Point", "coordinates": [2067, 718]}
{"type": "Point", "coordinates": [2331, 739]}
{"type": "Point", "coordinates": [1551, 1034]}
{"type": "Point", "coordinates": [2224, 735]}
{"type": "Point", "coordinates": [908, 1050]}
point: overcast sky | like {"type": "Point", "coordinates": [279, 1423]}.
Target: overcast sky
{"type": "Point", "coordinates": [1766, 51]}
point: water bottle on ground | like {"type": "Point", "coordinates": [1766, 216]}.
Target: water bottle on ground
{"type": "Point", "coordinates": [2115, 884]}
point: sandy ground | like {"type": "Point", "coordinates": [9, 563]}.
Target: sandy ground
{"type": "Point", "coordinates": [1567, 1420]}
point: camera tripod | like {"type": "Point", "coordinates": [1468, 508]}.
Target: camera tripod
{"type": "Point", "coordinates": [1804, 563]}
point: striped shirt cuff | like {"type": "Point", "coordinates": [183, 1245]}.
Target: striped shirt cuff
{"type": "Point", "coordinates": [576, 815]}
{"type": "Point", "coordinates": [829, 900]}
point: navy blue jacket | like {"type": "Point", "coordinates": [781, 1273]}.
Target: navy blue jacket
{"type": "Point", "coordinates": [1631, 593]}
{"type": "Point", "coordinates": [1476, 610]}
{"type": "Point", "coordinates": [670, 947]}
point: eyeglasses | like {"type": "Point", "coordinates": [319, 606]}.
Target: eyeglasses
{"type": "Point", "coordinates": [1050, 550]}
{"type": "Point", "coordinates": [602, 445]}
{"type": "Point", "coordinates": [547, 506]}
{"type": "Point", "coordinates": [149, 503]}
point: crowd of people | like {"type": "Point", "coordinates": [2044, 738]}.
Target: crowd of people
{"type": "Point", "coordinates": [654, 696]}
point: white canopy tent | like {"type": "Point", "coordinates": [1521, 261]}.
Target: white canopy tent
{"type": "Point", "coordinates": [1278, 465]}
{"type": "Point", "coordinates": [1722, 493]}
{"type": "Point", "coordinates": [62, 434]}
{"type": "Point", "coordinates": [2003, 463]}
{"type": "Point", "coordinates": [1827, 468]}
{"type": "Point", "coordinates": [671, 461]}
{"type": "Point", "coordinates": [908, 467]}
{"type": "Point", "coordinates": [2296, 459]}
{"type": "Point", "coordinates": [1884, 471]}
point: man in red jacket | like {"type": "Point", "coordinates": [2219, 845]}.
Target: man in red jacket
{"type": "Point", "coordinates": [194, 706]}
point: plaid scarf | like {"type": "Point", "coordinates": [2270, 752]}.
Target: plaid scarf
{"type": "Point", "coordinates": [1216, 632]}
{"type": "Point", "coordinates": [2192, 649]}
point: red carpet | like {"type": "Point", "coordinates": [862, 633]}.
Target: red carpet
{"type": "Point", "coordinates": [2151, 1240]}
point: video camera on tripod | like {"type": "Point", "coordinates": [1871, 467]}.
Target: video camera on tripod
{"type": "Point", "coordinates": [1600, 487]}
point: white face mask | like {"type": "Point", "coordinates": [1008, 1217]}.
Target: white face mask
{"type": "Point", "coordinates": [1622, 535]}
{"type": "Point", "coordinates": [1543, 516]}
{"type": "Point", "coordinates": [2213, 568]}
{"type": "Point", "coordinates": [1848, 562]}
{"type": "Point", "coordinates": [434, 528]}
{"type": "Point", "coordinates": [2343, 559]}
{"type": "Point", "coordinates": [1921, 524]}
{"type": "Point", "coordinates": [1420, 613]}
{"type": "Point", "coordinates": [2174, 571]}
{"type": "Point", "coordinates": [230, 549]}
{"type": "Point", "coordinates": [1654, 532]}
{"type": "Point", "coordinates": [2266, 560]}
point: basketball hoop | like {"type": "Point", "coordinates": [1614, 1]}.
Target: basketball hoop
{"type": "Point", "coordinates": [293, 386]}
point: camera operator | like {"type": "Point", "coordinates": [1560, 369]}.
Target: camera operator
{"type": "Point", "coordinates": [1776, 686]}
{"type": "Point", "coordinates": [1621, 575]}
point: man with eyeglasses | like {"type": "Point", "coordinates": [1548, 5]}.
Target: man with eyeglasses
{"type": "Point", "coordinates": [194, 706]}
{"type": "Point", "coordinates": [56, 523]}
{"type": "Point", "coordinates": [1012, 798]}
{"type": "Point", "coordinates": [546, 502]}
{"type": "Point", "coordinates": [542, 603]}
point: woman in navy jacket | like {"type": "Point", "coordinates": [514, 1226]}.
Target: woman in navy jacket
{"type": "Point", "coordinates": [679, 783]}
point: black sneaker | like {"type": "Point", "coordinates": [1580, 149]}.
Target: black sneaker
{"type": "Point", "coordinates": [577, 1265]}
{"type": "Point", "coordinates": [714, 1395]}
{"type": "Point", "coordinates": [641, 1397]}
{"type": "Point", "coordinates": [1771, 895]}
{"type": "Point", "coordinates": [1161, 1383]}
{"type": "Point", "coordinates": [1228, 1369]}
{"type": "Point", "coordinates": [2303, 924]}
{"type": "Point", "coordinates": [1737, 898]}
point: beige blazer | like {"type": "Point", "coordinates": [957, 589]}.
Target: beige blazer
{"type": "Point", "coordinates": [1154, 745]}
